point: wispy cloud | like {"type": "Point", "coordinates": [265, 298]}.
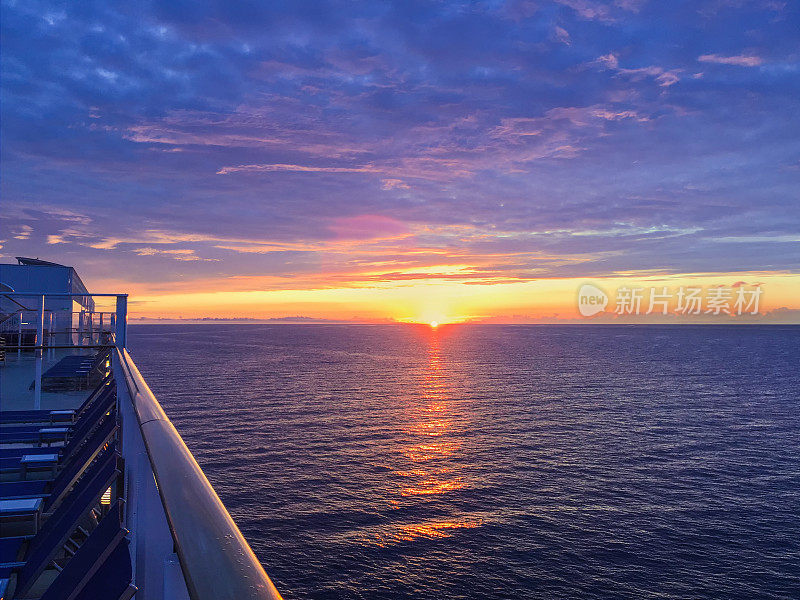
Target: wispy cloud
{"type": "Point", "coordinates": [662, 76]}
{"type": "Point", "coordinates": [23, 233]}
{"type": "Point", "coordinates": [182, 254]}
{"type": "Point", "coordinates": [740, 60]}
{"type": "Point", "coordinates": [297, 168]}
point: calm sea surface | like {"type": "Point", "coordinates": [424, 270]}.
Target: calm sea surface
{"type": "Point", "coordinates": [497, 461]}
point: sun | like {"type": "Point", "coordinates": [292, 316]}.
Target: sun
{"type": "Point", "coordinates": [434, 324]}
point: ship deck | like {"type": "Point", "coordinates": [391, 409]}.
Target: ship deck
{"type": "Point", "coordinates": [99, 495]}
{"type": "Point", "coordinates": [17, 375]}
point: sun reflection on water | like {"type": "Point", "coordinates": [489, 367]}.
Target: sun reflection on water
{"type": "Point", "coordinates": [430, 459]}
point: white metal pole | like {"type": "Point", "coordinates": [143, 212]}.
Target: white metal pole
{"type": "Point", "coordinates": [19, 337]}
{"type": "Point", "coordinates": [122, 321]}
{"type": "Point", "coordinates": [81, 317]}
{"type": "Point", "coordinates": [51, 352]}
{"type": "Point", "coordinates": [37, 398]}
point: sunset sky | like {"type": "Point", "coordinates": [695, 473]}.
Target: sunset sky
{"type": "Point", "coordinates": [403, 161]}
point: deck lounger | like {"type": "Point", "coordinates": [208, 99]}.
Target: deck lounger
{"type": "Point", "coordinates": [73, 372]}
{"type": "Point", "coordinates": [39, 434]}
{"type": "Point", "coordinates": [88, 407]}
{"type": "Point", "coordinates": [76, 439]}
{"type": "Point", "coordinates": [101, 568]}
{"type": "Point", "coordinates": [53, 491]}
{"type": "Point", "coordinates": [89, 422]}
{"type": "Point", "coordinates": [77, 449]}
{"type": "Point", "coordinates": [45, 416]}
{"type": "Point", "coordinates": [62, 523]}
{"type": "Point", "coordinates": [21, 509]}
{"type": "Point", "coordinates": [49, 435]}
{"type": "Point", "coordinates": [10, 546]}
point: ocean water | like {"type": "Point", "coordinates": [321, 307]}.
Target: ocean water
{"type": "Point", "coordinates": [394, 462]}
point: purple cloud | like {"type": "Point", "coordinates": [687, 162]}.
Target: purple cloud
{"type": "Point", "coordinates": [569, 138]}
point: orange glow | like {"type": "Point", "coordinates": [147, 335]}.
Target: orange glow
{"type": "Point", "coordinates": [434, 324]}
{"type": "Point", "coordinates": [436, 529]}
{"type": "Point", "coordinates": [428, 452]}
{"type": "Point", "coordinates": [429, 461]}
{"type": "Point", "coordinates": [434, 486]}
{"type": "Point", "coordinates": [432, 428]}
{"type": "Point", "coordinates": [426, 530]}
{"type": "Point", "coordinates": [429, 455]}
{"type": "Point", "coordinates": [422, 300]}
{"type": "Point", "coordinates": [378, 269]}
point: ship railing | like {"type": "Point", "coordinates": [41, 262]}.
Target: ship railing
{"type": "Point", "coordinates": [79, 328]}
{"type": "Point", "coordinates": [215, 559]}
{"type": "Point", "coordinates": [163, 480]}
{"type": "Point", "coordinates": [48, 326]}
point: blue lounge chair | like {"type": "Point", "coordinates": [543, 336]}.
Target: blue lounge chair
{"type": "Point", "coordinates": [70, 417]}
{"type": "Point", "coordinates": [47, 416]}
{"type": "Point", "coordinates": [82, 449]}
{"type": "Point", "coordinates": [39, 434]}
{"type": "Point", "coordinates": [101, 568]}
{"type": "Point", "coordinates": [53, 491]}
{"type": "Point", "coordinates": [74, 372]}
{"type": "Point", "coordinates": [52, 536]}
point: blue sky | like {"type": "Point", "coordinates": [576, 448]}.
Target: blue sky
{"type": "Point", "coordinates": [314, 144]}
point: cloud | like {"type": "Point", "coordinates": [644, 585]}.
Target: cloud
{"type": "Point", "coordinates": [664, 77]}
{"type": "Point", "coordinates": [589, 9]}
{"type": "Point", "coordinates": [181, 254]}
{"type": "Point", "coordinates": [342, 145]}
{"type": "Point", "coordinates": [394, 184]}
{"type": "Point", "coordinates": [23, 233]}
{"type": "Point", "coordinates": [562, 35]}
{"type": "Point", "coordinates": [368, 227]}
{"type": "Point", "coordinates": [608, 61]}
{"type": "Point", "coordinates": [740, 60]}
{"type": "Point", "coordinates": [296, 168]}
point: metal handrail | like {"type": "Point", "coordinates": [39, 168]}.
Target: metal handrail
{"type": "Point", "coordinates": [216, 560]}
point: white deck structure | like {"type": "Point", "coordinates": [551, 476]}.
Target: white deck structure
{"type": "Point", "coordinates": [65, 350]}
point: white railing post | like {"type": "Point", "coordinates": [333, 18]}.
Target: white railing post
{"type": "Point", "coordinates": [81, 318]}
{"type": "Point", "coordinates": [121, 321]}
{"type": "Point", "coordinates": [51, 352]}
{"type": "Point", "coordinates": [19, 336]}
{"type": "Point", "coordinates": [37, 394]}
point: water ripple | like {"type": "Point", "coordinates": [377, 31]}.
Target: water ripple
{"type": "Point", "coordinates": [497, 461]}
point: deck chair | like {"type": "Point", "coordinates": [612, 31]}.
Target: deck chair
{"type": "Point", "coordinates": [38, 434]}
{"type": "Point", "coordinates": [101, 568]}
{"type": "Point", "coordinates": [47, 416]}
{"type": "Point", "coordinates": [54, 491]}
{"type": "Point", "coordinates": [80, 450]}
{"type": "Point", "coordinates": [74, 371]}
{"type": "Point", "coordinates": [99, 396]}
{"type": "Point", "coordinates": [50, 539]}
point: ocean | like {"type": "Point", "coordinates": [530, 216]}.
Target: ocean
{"type": "Point", "coordinates": [494, 461]}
